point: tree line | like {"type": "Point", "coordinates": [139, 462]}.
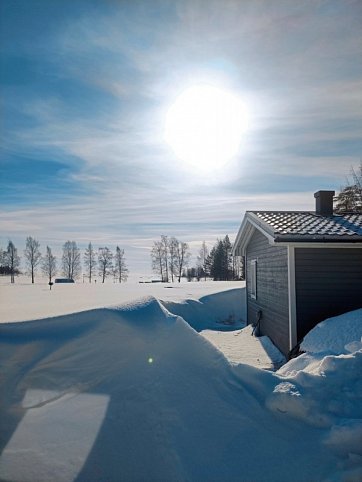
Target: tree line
{"type": "Point", "coordinates": [218, 264]}
{"type": "Point", "coordinates": [171, 258]}
{"type": "Point", "coordinates": [102, 261]}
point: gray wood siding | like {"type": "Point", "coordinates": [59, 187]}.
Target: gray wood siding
{"type": "Point", "coordinates": [328, 283]}
{"type": "Point", "coordinates": [272, 289]}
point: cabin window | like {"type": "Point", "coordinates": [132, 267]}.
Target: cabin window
{"type": "Point", "coordinates": [253, 279]}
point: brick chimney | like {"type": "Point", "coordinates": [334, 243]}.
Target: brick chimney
{"type": "Point", "coordinates": [324, 203]}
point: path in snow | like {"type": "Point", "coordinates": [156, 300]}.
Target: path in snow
{"type": "Point", "coordinates": [220, 319]}
{"type": "Point", "coordinates": [241, 347]}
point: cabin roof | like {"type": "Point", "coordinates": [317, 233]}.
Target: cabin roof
{"type": "Point", "coordinates": [300, 227]}
{"type": "Point", "coordinates": [309, 226]}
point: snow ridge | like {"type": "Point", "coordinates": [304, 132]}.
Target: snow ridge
{"type": "Point", "coordinates": [134, 393]}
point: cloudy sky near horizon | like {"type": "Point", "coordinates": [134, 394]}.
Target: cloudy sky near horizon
{"type": "Point", "coordinates": [86, 86]}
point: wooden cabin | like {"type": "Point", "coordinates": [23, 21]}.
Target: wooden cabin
{"type": "Point", "coordinates": [301, 268]}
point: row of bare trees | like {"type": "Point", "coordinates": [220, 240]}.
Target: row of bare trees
{"type": "Point", "coordinates": [169, 258]}
{"type": "Point", "coordinates": [10, 260]}
{"type": "Point", "coordinates": [109, 263]}
{"type": "Point", "coordinates": [71, 265]}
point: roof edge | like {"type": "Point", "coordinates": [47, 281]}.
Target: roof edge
{"type": "Point", "coordinates": [303, 238]}
{"type": "Point", "coordinates": [248, 226]}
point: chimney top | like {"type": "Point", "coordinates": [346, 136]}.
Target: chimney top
{"type": "Point", "coordinates": [324, 203]}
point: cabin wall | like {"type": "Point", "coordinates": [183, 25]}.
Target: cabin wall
{"type": "Point", "coordinates": [328, 282]}
{"type": "Point", "coordinates": [272, 289]}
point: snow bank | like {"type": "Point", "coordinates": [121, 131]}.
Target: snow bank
{"type": "Point", "coordinates": [323, 387]}
{"type": "Point", "coordinates": [133, 393]}
{"type": "Point", "coordinates": [327, 388]}
{"type": "Point", "coordinates": [335, 334]}
{"type": "Point", "coordinates": [221, 311]}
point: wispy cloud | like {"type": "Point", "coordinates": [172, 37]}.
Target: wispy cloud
{"type": "Point", "coordinates": [100, 81]}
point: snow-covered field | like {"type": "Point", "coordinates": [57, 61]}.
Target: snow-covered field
{"type": "Point", "coordinates": [24, 301]}
{"type": "Point", "coordinates": [133, 393]}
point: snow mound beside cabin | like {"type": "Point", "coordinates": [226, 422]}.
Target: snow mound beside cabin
{"type": "Point", "coordinates": [133, 393]}
{"type": "Point", "coordinates": [222, 311]}
{"type": "Point", "coordinates": [323, 387]}
{"type": "Point", "coordinates": [338, 335]}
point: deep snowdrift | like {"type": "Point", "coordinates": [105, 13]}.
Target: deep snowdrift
{"type": "Point", "coordinates": [222, 311]}
{"type": "Point", "coordinates": [133, 393]}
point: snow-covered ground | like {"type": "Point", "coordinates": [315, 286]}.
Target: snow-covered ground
{"type": "Point", "coordinates": [241, 347]}
{"type": "Point", "coordinates": [133, 393]}
{"type": "Point", "coordinates": [24, 301]}
{"type": "Point", "coordinates": [204, 305]}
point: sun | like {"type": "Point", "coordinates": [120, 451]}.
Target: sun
{"type": "Point", "coordinates": [205, 125]}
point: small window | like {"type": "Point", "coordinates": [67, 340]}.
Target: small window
{"type": "Point", "coordinates": [253, 279]}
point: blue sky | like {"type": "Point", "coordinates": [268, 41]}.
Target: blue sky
{"type": "Point", "coordinates": [86, 87]}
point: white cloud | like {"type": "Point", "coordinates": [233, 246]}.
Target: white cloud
{"type": "Point", "coordinates": [294, 62]}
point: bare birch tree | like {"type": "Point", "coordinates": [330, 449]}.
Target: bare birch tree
{"type": "Point", "coordinates": [2, 258]}
{"type": "Point", "coordinates": [90, 261]}
{"type": "Point", "coordinates": [182, 257]}
{"type": "Point", "coordinates": [157, 257]}
{"type": "Point", "coordinates": [201, 259]}
{"type": "Point", "coordinates": [173, 257]}
{"type": "Point", "coordinates": [12, 260]}
{"type": "Point", "coordinates": [71, 260]}
{"type": "Point", "coordinates": [105, 264]}
{"type": "Point", "coordinates": [165, 246]}
{"type": "Point", "coordinates": [32, 256]}
{"type": "Point", "coordinates": [121, 270]}
{"type": "Point", "coordinates": [49, 264]}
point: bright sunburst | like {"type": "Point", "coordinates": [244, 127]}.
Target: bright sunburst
{"type": "Point", "coordinates": [205, 125]}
